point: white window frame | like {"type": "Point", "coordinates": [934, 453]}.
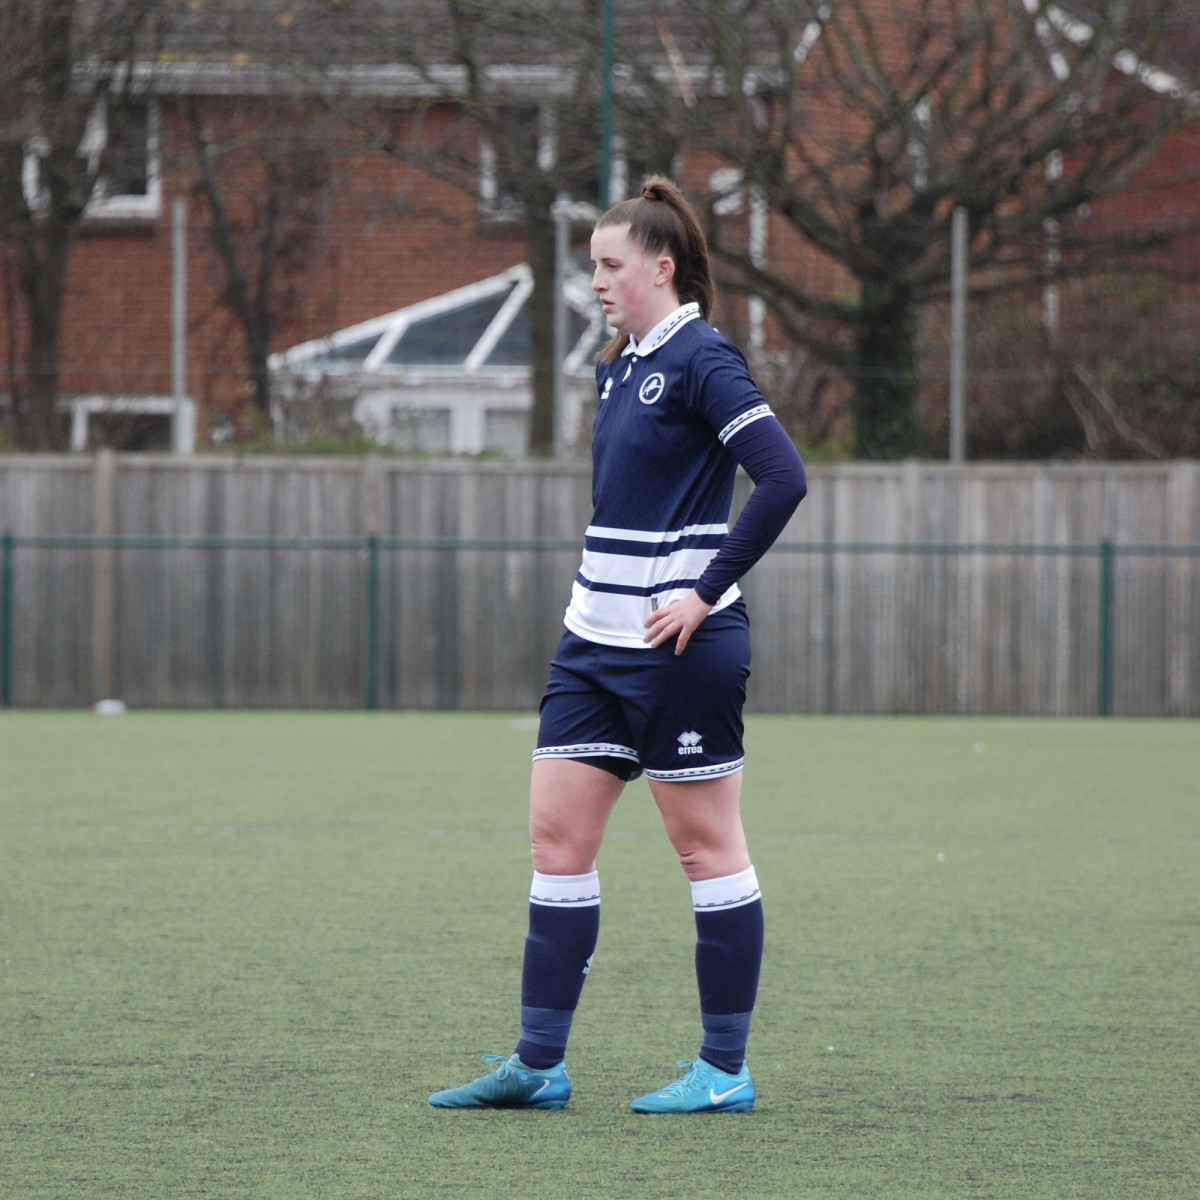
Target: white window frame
{"type": "Point", "coordinates": [100, 206]}
{"type": "Point", "coordinates": [547, 155]}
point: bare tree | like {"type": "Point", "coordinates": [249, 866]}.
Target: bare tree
{"type": "Point", "coordinates": [528, 80]}
{"type": "Point", "coordinates": [62, 62]}
{"type": "Point", "coordinates": [537, 148]}
{"type": "Point", "coordinates": [266, 185]}
{"type": "Point", "coordinates": [863, 125]}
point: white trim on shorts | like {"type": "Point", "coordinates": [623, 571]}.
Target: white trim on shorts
{"type": "Point", "coordinates": [587, 750]}
{"type": "Point", "coordinates": [691, 774]}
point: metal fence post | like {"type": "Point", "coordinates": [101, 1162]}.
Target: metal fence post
{"type": "Point", "coordinates": [371, 698]}
{"type": "Point", "coordinates": [6, 602]}
{"type": "Point", "coordinates": [1106, 626]}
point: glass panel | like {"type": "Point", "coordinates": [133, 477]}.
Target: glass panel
{"type": "Point", "coordinates": [516, 158]}
{"type": "Point", "coordinates": [578, 325]}
{"type": "Point", "coordinates": [512, 350]}
{"type": "Point", "coordinates": [581, 339]}
{"type": "Point", "coordinates": [446, 339]}
{"type": "Point", "coordinates": [352, 352]}
{"type": "Point", "coordinates": [127, 169]}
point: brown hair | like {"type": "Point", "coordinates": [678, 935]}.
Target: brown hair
{"type": "Point", "coordinates": [662, 221]}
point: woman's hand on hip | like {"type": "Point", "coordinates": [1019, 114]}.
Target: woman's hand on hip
{"type": "Point", "coordinates": [679, 620]}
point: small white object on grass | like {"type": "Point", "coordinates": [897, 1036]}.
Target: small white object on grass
{"type": "Point", "coordinates": [109, 708]}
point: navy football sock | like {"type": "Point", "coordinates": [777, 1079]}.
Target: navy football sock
{"type": "Point", "coordinates": [564, 923]}
{"type": "Point", "coordinates": [729, 944]}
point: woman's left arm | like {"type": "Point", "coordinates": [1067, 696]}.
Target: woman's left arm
{"type": "Point", "coordinates": [774, 466]}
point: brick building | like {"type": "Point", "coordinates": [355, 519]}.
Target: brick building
{"type": "Point", "coordinates": [394, 196]}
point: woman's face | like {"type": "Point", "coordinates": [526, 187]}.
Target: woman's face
{"type": "Point", "coordinates": [635, 288]}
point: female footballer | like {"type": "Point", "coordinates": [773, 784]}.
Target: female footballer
{"type": "Point", "coordinates": [650, 674]}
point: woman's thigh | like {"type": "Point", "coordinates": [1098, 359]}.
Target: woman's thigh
{"type": "Point", "coordinates": [569, 806]}
{"type": "Point", "coordinates": [703, 819]}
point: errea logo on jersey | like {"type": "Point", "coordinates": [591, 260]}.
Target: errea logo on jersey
{"type": "Point", "coordinates": [652, 388]}
{"type": "Point", "coordinates": [689, 743]}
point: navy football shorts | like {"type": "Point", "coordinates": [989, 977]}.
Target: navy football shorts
{"type": "Point", "coordinates": [678, 718]}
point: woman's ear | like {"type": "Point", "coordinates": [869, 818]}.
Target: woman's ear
{"type": "Point", "coordinates": [666, 270]}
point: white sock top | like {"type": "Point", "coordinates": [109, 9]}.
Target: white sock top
{"type": "Point", "coordinates": [727, 891]}
{"type": "Point", "coordinates": [565, 891]}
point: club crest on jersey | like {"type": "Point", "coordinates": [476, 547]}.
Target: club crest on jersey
{"type": "Point", "coordinates": [652, 388]}
{"type": "Point", "coordinates": [607, 388]}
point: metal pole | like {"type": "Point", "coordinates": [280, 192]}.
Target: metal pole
{"type": "Point", "coordinates": [178, 298]}
{"type": "Point", "coordinates": [6, 602]}
{"type": "Point", "coordinates": [606, 109]}
{"type": "Point", "coordinates": [1106, 627]}
{"type": "Point", "coordinates": [958, 335]}
{"type": "Point", "coordinates": [561, 210]}
{"type": "Point", "coordinates": [371, 650]}
{"type": "Point", "coordinates": [183, 421]}
{"type": "Point", "coordinates": [757, 307]}
{"type": "Point", "coordinates": [104, 602]}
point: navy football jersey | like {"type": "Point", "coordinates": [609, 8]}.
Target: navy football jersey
{"type": "Point", "coordinates": [663, 477]}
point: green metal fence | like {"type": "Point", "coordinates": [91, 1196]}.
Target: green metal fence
{"type": "Point", "coordinates": [385, 622]}
{"type": "Point", "coordinates": [1105, 557]}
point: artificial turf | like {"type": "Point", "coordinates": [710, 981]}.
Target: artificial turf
{"type": "Point", "coordinates": [239, 949]}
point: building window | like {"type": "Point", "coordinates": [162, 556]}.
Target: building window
{"type": "Point", "coordinates": [419, 430]}
{"type": "Point", "coordinates": [648, 153]}
{"type": "Point", "coordinates": [120, 153]}
{"type": "Point", "coordinates": [529, 140]}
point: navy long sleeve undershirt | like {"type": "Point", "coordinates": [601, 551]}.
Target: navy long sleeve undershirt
{"type": "Point", "coordinates": [771, 460]}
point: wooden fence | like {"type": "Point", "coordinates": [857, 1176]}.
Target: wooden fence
{"type": "Point", "coordinates": [914, 587]}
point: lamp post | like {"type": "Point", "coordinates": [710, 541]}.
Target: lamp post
{"type": "Point", "coordinates": [606, 107]}
{"type": "Point", "coordinates": [958, 335]}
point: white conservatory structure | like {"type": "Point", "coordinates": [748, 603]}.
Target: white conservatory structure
{"type": "Point", "coordinates": [450, 375]}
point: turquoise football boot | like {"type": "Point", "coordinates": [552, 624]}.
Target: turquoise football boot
{"type": "Point", "coordinates": [511, 1085]}
{"type": "Point", "coordinates": [702, 1089]}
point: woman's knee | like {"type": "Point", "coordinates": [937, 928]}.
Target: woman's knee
{"type": "Point", "coordinates": [558, 848]}
{"type": "Point", "coordinates": [712, 858]}
{"type": "Point", "coordinates": [703, 821]}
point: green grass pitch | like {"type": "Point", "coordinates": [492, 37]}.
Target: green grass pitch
{"type": "Point", "coordinates": [239, 950]}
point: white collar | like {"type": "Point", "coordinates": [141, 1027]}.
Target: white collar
{"type": "Point", "coordinates": [663, 331]}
